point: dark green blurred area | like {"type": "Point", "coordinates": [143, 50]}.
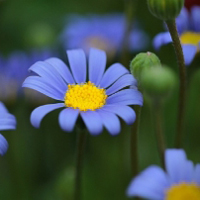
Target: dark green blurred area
{"type": "Point", "coordinates": [39, 164]}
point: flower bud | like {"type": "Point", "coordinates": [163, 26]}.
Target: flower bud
{"type": "Point", "coordinates": [158, 81]}
{"type": "Point", "coordinates": [142, 61]}
{"type": "Point", "coordinates": [165, 9]}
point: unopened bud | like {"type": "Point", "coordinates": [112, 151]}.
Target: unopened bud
{"type": "Point", "coordinates": [165, 9]}
{"type": "Point", "coordinates": [143, 61]}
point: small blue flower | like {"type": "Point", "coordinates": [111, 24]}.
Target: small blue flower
{"type": "Point", "coordinates": [13, 71]}
{"type": "Point", "coordinates": [86, 91]}
{"type": "Point", "coordinates": [188, 25]}
{"type": "Point", "coordinates": [7, 122]}
{"type": "Point", "coordinates": [104, 32]}
{"type": "Point", "coordinates": [180, 181]}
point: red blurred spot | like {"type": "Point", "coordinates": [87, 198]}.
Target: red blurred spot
{"type": "Point", "coordinates": [190, 3]}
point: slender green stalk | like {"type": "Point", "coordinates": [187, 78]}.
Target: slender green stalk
{"type": "Point", "coordinates": [182, 77]}
{"type": "Point", "coordinates": [79, 163]}
{"type": "Point", "coordinates": [157, 113]}
{"type": "Point", "coordinates": [130, 8]}
{"type": "Point", "coordinates": [134, 142]}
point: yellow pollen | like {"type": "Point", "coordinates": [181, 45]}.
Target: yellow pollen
{"type": "Point", "coordinates": [190, 38]}
{"type": "Point", "coordinates": [183, 191]}
{"type": "Point", "coordinates": [85, 97]}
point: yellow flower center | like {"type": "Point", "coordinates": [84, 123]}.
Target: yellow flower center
{"type": "Point", "coordinates": [85, 97]}
{"type": "Point", "coordinates": [183, 191]}
{"type": "Point", "coordinates": [190, 38]}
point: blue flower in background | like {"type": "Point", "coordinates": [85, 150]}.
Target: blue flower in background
{"type": "Point", "coordinates": [188, 25]}
{"type": "Point", "coordinates": [181, 180]}
{"type": "Point", "coordinates": [104, 32]}
{"type": "Point", "coordinates": [14, 70]}
{"type": "Point", "coordinates": [7, 122]}
{"type": "Point", "coordinates": [97, 96]}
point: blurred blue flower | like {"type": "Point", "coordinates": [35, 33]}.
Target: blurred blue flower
{"type": "Point", "coordinates": [188, 25]}
{"type": "Point", "coordinates": [14, 70]}
{"type": "Point", "coordinates": [97, 96]}
{"type": "Point", "coordinates": [104, 32]}
{"type": "Point", "coordinates": [7, 122]}
{"type": "Point", "coordinates": [180, 181]}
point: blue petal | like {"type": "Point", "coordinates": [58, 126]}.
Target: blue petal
{"type": "Point", "coordinates": [49, 74]}
{"type": "Point", "coordinates": [189, 52]}
{"type": "Point", "coordinates": [114, 72]}
{"type": "Point", "coordinates": [110, 121]}
{"type": "Point", "coordinates": [122, 82]}
{"type": "Point", "coordinates": [189, 174]}
{"type": "Point", "coordinates": [3, 109]}
{"type": "Point", "coordinates": [97, 64]}
{"type": "Point", "coordinates": [77, 61]}
{"type": "Point", "coordinates": [197, 174]}
{"type": "Point", "coordinates": [126, 97]}
{"type": "Point", "coordinates": [67, 119]}
{"type": "Point", "coordinates": [7, 123]}
{"type": "Point", "coordinates": [125, 112]}
{"type": "Point", "coordinates": [183, 21]}
{"type": "Point", "coordinates": [62, 69]}
{"type": "Point", "coordinates": [176, 165]}
{"type": "Point", "coordinates": [3, 145]}
{"type": "Point", "coordinates": [151, 184]}
{"type": "Point", "coordinates": [195, 18]}
{"type": "Point", "coordinates": [40, 85]}
{"type": "Point", "coordinates": [93, 122]}
{"type": "Point", "coordinates": [38, 114]}
{"type": "Point", "coordinates": [161, 39]}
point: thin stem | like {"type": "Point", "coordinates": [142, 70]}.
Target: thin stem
{"type": "Point", "coordinates": [182, 77]}
{"type": "Point", "coordinates": [130, 8]}
{"type": "Point", "coordinates": [157, 112]}
{"type": "Point", "coordinates": [134, 142]}
{"type": "Point", "coordinates": [79, 163]}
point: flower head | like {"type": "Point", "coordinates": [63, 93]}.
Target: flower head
{"type": "Point", "coordinates": [181, 180]}
{"type": "Point", "coordinates": [101, 31]}
{"type": "Point", "coordinates": [7, 122]}
{"type": "Point", "coordinates": [188, 25]}
{"type": "Point", "coordinates": [86, 91]}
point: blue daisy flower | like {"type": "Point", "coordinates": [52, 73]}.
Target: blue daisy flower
{"type": "Point", "coordinates": [96, 96]}
{"type": "Point", "coordinates": [104, 32]}
{"type": "Point", "coordinates": [188, 25]}
{"type": "Point", "coordinates": [7, 122]}
{"type": "Point", "coordinates": [181, 180]}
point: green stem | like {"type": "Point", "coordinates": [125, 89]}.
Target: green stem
{"type": "Point", "coordinates": [79, 163]}
{"type": "Point", "coordinates": [130, 8]}
{"type": "Point", "coordinates": [157, 112]}
{"type": "Point", "coordinates": [134, 142]}
{"type": "Point", "coordinates": [182, 77]}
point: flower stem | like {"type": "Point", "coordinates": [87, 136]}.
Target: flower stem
{"type": "Point", "coordinates": [79, 163]}
{"type": "Point", "coordinates": [182, 77]}
{"type": "Point", "coordinates": [157, 112]}
{"type": "Point", "coordinates": [130, 8]}
{"type": "Point", "coordinates": [134, 142]}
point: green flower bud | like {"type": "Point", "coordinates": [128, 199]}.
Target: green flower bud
{"type": "Point", "coordinates": [165, 9]}
{"type": "Point", "coordinates": [142, 61]}
{"type": "Point", "coordinates": [158, 81]}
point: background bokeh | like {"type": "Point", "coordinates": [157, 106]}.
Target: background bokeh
{"type": "Point", "coordinates": [39, 164]}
